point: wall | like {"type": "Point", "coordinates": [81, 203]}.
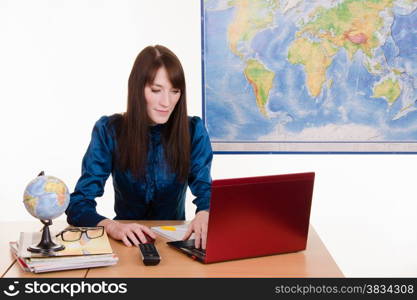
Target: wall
{"type": "Point", "coordinates": [66, 63]}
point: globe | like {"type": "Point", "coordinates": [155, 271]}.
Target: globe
{"type": "Point", "coordinates": [46, 197]}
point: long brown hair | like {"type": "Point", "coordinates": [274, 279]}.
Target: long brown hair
{"type": "Point", "coordinates": [134, 125]}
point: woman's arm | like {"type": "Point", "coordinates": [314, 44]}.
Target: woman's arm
{"type": "Point", "coordinates": [96, 168]}
{"type": "Point", "coordinates": [199, 181]}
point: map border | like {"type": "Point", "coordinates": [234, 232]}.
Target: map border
{"type": "Point", "coordinates": [295, 147]}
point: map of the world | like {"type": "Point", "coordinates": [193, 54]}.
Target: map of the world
{"type": "Point", "coordinates": [326, 75]}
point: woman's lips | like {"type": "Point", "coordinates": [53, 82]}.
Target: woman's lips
{"type": "Point", "coordinates": [162, 112]}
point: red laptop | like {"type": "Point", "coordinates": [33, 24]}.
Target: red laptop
{"type": "Point", "coordinates": [255, 216]}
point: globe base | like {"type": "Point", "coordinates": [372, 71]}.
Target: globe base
{"type": "Point", "coordinates": [48, 250]}
{"type": "Point", "coordinates": [46, 245]}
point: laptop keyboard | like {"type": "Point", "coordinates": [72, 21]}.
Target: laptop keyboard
{"type": "Point", "coordinates": [189, 245]}
{"type": "Point", "coordinates": [202, 252]}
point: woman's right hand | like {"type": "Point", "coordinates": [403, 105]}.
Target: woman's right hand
{"type": "Point", "coordinates": [130, 233]}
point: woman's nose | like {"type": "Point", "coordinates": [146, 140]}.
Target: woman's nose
{"type": "Point", "coordinates": [164, 100]}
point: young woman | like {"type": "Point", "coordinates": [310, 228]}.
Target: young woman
{"type": "Point", "coordinates": [153, 151]}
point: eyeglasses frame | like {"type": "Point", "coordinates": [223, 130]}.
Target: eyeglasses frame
{"type": "Point", "coordinates": [83, 230]}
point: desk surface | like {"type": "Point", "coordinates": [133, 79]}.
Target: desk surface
{"type": "Point", "coordinates": [315, 261]}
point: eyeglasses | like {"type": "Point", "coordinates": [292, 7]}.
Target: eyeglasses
{"type": "Point", "coordinates": [75, 233]}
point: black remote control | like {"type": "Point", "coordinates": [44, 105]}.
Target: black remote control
{"type": "Point", "coordinates": [150, 256]}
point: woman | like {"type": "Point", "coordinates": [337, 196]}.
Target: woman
{"type": "Point", "coordinates": [153, 151]}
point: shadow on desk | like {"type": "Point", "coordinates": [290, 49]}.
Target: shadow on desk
{"type": "Point", "coordinates": [315, 261]}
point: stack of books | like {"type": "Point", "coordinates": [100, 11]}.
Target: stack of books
{"type": "Point", "coordinates": [85, 253]}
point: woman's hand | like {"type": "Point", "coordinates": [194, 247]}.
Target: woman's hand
{"type": "Point", "coordinates": [199, 226]}
{"type": "Point", "coordinates": [131, 233]}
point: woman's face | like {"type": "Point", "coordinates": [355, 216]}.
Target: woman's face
{"type": "Point", "coordinates": [161, 97]}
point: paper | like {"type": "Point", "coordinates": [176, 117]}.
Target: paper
{"type": "Point", "coordinates": [172, 232]}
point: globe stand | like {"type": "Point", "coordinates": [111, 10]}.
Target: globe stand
{"type": "Point", "coordinates": [46, 245]}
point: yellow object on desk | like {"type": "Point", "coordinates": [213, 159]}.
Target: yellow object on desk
{"type": "Point", "coordinates": [169, 228]}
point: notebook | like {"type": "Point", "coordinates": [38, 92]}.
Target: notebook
{"type": "Point", "coordinates": [255, 216]}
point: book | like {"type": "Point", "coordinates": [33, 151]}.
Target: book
{"type": "Point", "coordinates": [172, 232]}
{"type": "Point", "coordinates": [85, 253]}
{"type": "Point", "coordinates": [20, 261]}
{"type": "Point", "coordinates": [84, 246]}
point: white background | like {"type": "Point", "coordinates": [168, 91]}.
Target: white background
{"type": "Point", "coordinates": [64, 64]}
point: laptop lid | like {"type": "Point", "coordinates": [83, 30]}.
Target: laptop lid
{"type": "Point", "coordinates": [258, 216]}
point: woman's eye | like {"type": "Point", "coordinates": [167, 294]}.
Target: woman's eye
{"type": "Point", "coordinates": [176, 91]}
{"type": "Point", "coordinates": [155, 91]}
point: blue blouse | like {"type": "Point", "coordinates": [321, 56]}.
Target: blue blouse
{"type": "Point", "coordinates": [158, 197]}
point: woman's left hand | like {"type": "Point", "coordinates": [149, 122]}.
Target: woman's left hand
{"type": "Point", "coordinates": [199, 226]}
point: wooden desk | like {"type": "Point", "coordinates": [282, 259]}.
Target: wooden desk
{"type": "Point", "coordinates": [315, 261]}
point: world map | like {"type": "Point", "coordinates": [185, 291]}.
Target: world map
{"type": "Point", "coordinates": [311, 73]}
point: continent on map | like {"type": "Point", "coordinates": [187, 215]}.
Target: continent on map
{"type": "Point", "coordinates": [388, 89]}
{"type": "Point", "coordinates": [352, 24]}
{"type": "Point", "coordinates": [31, 203]}
{"type": "Point", "coordinates": [316, 58]}
{"type": "Point", "coordinates": [59, 189]}
{"type": "Point", "coordinates": [250, 17]}
{"type": "Point", "coordinates": [261, 80]}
